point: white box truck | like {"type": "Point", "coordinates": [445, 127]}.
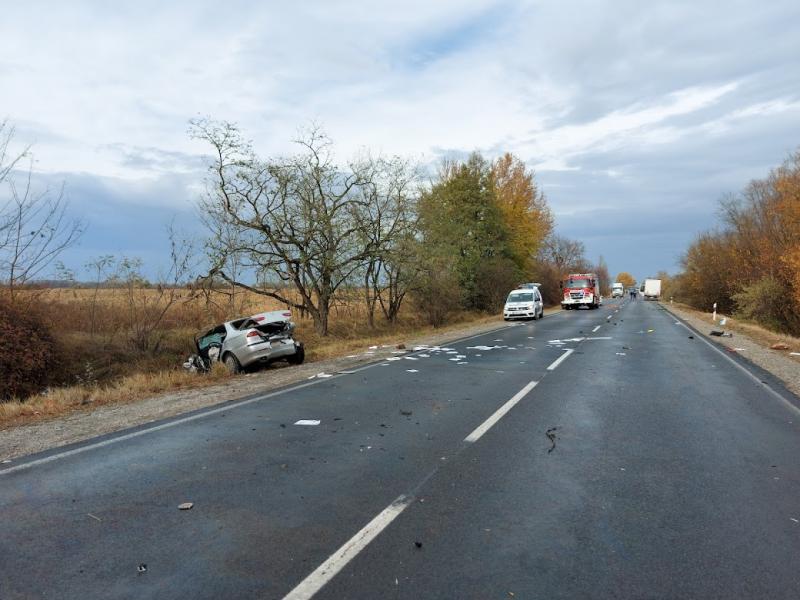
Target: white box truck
{"type": "Point", "coordinates": [617, 290]}
{"type": "Point", "coordinates": [652, 289]}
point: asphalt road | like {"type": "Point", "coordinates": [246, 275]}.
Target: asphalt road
{"type": "Point", "coordinates": [593, 454]}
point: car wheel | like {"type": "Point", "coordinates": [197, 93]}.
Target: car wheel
{"type": "Point", "coordinates": [298, 357]}
{"type": "Point", "coordinates": [232, 364]}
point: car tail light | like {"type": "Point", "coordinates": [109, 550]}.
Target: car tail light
{"type": "Point", "coordinates": [287, 314]}
{"type": "Point", "coordinates": [261, 318]}
{"type": "Point", "coordinates": [253, 333]}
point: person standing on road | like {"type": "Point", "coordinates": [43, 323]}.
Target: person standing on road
{"type": "Point", "coordinates": [633, 294]}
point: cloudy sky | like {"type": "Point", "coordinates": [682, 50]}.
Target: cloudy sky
{"type": "Point", "coordinates": [637, 116]}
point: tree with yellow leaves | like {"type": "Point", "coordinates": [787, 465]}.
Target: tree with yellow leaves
{"type": "Point", "coordinates": [626, 279]}
{"type": "Point", "coordinates": [523, 208]}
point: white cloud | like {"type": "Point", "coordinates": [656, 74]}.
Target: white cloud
{"type": "Point", "coordinates": [601, 97]}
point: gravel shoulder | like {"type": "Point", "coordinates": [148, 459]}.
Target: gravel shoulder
{"type": "Point", "coordinates": [81, 425]}
{"type": "Point", "coordinates": [754, 347]}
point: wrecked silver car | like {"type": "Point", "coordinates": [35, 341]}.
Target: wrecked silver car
{"type": "Point", "coordinates": [246, 342]}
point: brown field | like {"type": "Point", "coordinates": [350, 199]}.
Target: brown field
{"type": "Point", "coordinates": [105, 365]}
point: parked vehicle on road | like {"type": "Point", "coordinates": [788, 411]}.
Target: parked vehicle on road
{"type": "Point", "coordinates": [524, 303]}
{"type": "Point", "coordinates": [246, 342]}
{"type": "Point", "coordinates": [581, 289]}
{"type": "Point", "coordinates": [617, 290]}
{"type": "Point", "coordinates": [652, 289]}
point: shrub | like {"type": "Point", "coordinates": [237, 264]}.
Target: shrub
{"type": "Point", "coordinates": [765, 302]}
{"type": "Point", "coordinates": [29, 355]}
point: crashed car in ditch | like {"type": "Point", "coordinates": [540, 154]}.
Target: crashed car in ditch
{"type": "Point", "coordinates": [247, 342]}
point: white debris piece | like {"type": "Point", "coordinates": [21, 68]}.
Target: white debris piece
{"type": "Point", "coordinates": [310, 422]}
{"type": "Point", "coordinates": [424, 355]}
{"type": "Point", "coordinates": [454, 359]}
{"type": "Point", "coordinates": [418, 348]}
{"type": "Point", "coordinates": [621, 354]}
{"type": "Point", "coordinates": [411, 358]}
{"type": "Point", "coordinates": [411, 371]}
{"type": "Point", "coordinates": [373, 347]}
{"type": "Point", "coordinates": [323, 375]}
{"type": "Point", "coordinates": [394, 358]}
{"type": "Point", "coordinates": [482, 347]}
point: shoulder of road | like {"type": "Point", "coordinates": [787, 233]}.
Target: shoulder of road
{"type": "Point", "coordinates": [29, 438]}
{"type": "Point", "coordinates": [751, 343]}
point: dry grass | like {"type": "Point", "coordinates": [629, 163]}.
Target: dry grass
{"type": "Point", "coordinates": [62, 400]}
{"type": "Point", "coordinates": [106, 370]}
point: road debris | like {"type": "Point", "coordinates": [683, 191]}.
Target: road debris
{"type": "Point", "coordinates": [418, 544]}
{"type": "Point", "coordinates": [551, 435]}
{"type": "Point", "coordinates": [142, 568]}
{"type": "Point", "coordinates": [406, 413]}
{"type": "Point", "coordinates": [411, 371]}
{"type": "Point", "coordinates": [779, 346]}
{"type": "Point", "coordinates": [310, 422]}
{"type": "Point", "coordinates": [94, 517]}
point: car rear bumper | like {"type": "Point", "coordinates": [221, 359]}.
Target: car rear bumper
{"type": "Point", "coordinates": [266, 351]}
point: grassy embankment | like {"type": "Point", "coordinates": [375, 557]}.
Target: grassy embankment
{"type": "Point", "coordinates": [104, 366]}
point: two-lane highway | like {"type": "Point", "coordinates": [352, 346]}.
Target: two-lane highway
{"type": "Point", "coordinates": [591, 454]}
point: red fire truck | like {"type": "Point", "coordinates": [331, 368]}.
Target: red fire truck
{"type": "Point", "coordinates": [580, 289]}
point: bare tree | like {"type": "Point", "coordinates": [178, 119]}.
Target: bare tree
{"type": "Point", "coordinates": [565, 254]}
{"type": "Point", "coordinates": [388, 226]}
{"type": "Point", "coordinates": [34, 226]}
{"type": "Point", "coordinates": [148, 305]}
{"type": "Point", "coordinates": [296, 217]}
{"type": "Point", "coordinates": [100, 268]}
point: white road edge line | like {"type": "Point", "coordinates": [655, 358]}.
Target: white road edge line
{"type": "Point", "coordinates": [560, 359]}
{"type": "Point", "coordinates": [596, 328]}
{"type": "Point", "coordinates": [745, 370]}
{"type": "Point", "coordinates": [338, 560]}
{"type": "Point", "coordinates": [498, 414]}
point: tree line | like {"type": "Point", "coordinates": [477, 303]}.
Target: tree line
{"type": "Point", "coordinates": [750, 264]}
{"type": "Point", "coordinates": [459, 239]}
{"type": "Point", "coordinates": [306, 230]}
